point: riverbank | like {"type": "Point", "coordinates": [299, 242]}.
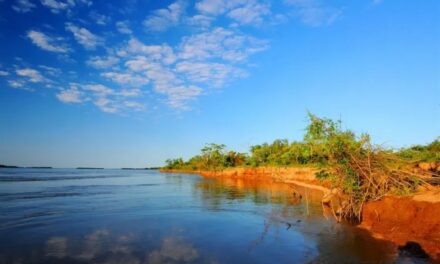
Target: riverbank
{"type": "Point", "coordinates": [302, 176]}
{"type": "Point", "coordinates": [410, 221]}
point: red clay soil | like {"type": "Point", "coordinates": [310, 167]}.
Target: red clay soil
{"type": "Point", "coordinates": [406, 219]}
{"type": "Point", "coordinates": [303, 176]}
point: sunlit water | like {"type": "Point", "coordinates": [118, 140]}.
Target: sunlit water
{"type": "Point", "coordinates": [129, 216]}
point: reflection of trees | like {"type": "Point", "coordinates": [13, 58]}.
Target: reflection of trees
{"type": "Point", "coordinates": [299, 210]}
{"type": "Point", "coordinates": [218, 192]}
{"type": "Point", "coordinates": [335, 242]}
{"type": "Point", "coordinates": [174, 178]}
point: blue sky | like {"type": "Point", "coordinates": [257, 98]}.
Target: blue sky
{"type": "Point", "coordinates": [132, 83]}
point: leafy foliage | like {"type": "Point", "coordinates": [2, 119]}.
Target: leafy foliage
{"type": "Point", "coordinates": [361, 170]}
{"type": "Point", "coordinates": [430, 152]}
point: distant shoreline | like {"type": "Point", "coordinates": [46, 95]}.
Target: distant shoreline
{"type": "Point", "coordinates": [18, 167]}
{"type": "Point", "coordinates": [77, 168]}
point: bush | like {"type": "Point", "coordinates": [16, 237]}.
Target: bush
{"type": "Point", "coordinates": [361, 170]}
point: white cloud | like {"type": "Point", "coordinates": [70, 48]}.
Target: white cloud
{"type": "Point", "coordinates": [58, 6]}
{"type": "Point", "coordinates": [178, 96]}
{"type": "Point", "coordinates": [71, 95]}
{"type": "Point", "coordinates": [103, 62]}
{"type": "Point", "coordinates": [130, 92]}
{"type": "Point", "coordinates": [164, 18]}
{"type": "Point", "coordinates": [220, 43]}
{"type": "Point", "coordinates": [31, 75]}
{"type": "Point", "coordinates": [177, 93]}
{"type": "Point", "coordinates": [212, 74]}
{"type": "Point", "coordinates": [4, 73]}
{"type": "Point", "coordinates": [23, 6]}
{"type": "Point", "coordinates": [163, 53]}
{"type": "Point", "coordinates": [84, 36]}
{"type": "Point", "coordinates": [104, 98]}
{"type": "Point", "coordinates": [202, 60]}
{"type": "Point", "coordinates": [214, 7]}
{"type": "Point", "coordinates": [252, 13]}
{"type": "Point", "coordinates": [51, 70]}
{"type": "Point", "coordinates": [313, 12]}
{"type": "Point", "coordinates": [125, 78]}
{"type": "Point", "coordinates": [140, 63]}
{"type": "Point", "coordinates": [106, 105]}
{"type": "Point", "coordinates": [46, 42]}
{"type": "Point", "coordinates": [124, 27]}
{"type": "Point", "coordinates": [100, 19]}
{"type": "Point", "coordinates": [377, 2]}
{"type": "Point", "coordinates": [15, 83]}
{"type": "Point", "coordinates": [134, 105]}
{"type": "Point", "coordinates": [200, 21]}
{"type": "Point", "coordinates": [98, 89]}
{"type": "Point", "coordinates": [166, 82]}
{"type": "Point", "coordinates": [179, 73]}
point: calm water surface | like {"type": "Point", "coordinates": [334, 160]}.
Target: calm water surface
{"type": "Point", "coordinates": [128, 216]}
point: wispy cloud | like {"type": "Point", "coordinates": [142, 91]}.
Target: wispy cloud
{"type": "Point", "coordinates": [212, 47]}
{"type": "Point", "coordinates": [214, 7]}
{"type": "Point", "coordinates": [251, 13]}
{"type": "Point", "coordinates": [104, 98]}
{"type": "Point", "coordinates": [98, 89]}
{"type": "Point", "coordinates": [126, 78]}
{"type": "Point", "coordinates": [124, 27]}
{"type": "Point", "coordinates": [244, 12]}
{"type": "Point", "coordinates": [31, 75]}
{"type": "Point", "coordinates": [84, 36]}
{"type": "Point", "coordinates": [163, 53]}
{"type": "Point", "coordinates": [209, 73]}
{"type": "Point", "coordinates": [51, 70]}
{"type": "Point", "coordinates": [16, 84]}
{"type": "Point", "coordinates": [46, 42]}
{"type": "Point", "coordinates": [200, 21]}
{"type": "Point", "coordinates": [58, 6]}
{"type": "Point", "coordinates": [4, 73]}
{"type": "Point", "coordinates": [103, 62]}
{"type": "Point", "coordinates": [314, 12]}
{"type": "Point", "coordinates": [164, 18]}
{"type": "Point", "coordinates": [220, 43]}
{"type": "Point", "coordinates": [23, 6]}
{"type": "Point", "coordinates": [72, 95]}
{"type": "Point", "coordinates": [100, 19]}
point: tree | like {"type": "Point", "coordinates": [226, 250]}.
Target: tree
{"type": "Point", "coordinates": [213, 156]}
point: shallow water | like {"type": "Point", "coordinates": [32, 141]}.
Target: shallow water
{"type": "Point", "coordinates": [130, 216]}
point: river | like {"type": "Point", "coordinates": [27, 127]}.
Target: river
{"type": "Point", "coordinates": [143, 216]}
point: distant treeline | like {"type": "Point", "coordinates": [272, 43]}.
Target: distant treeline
{"type": "Point", "coordinates": [17, 167]}
{"type": "Point", "coordinates": [323, 139]}
{"type": "Point", "coordinates": [360, 170]}
{"type": "Point", "coordinates": [149, 168]}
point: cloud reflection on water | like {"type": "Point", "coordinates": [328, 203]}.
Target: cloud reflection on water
{"type": "Point", "coordinates": [102, 246]}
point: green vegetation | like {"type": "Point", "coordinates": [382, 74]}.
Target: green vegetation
{"type": "Point", "coordinates": [360, 170]}
{"type": "Point", "coordinates": [428, 153]}
{"type": "Point", "coordinates": [213, 157]}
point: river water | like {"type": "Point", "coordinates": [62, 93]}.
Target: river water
{"type": "Point", "coordinates": [140, 216]}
